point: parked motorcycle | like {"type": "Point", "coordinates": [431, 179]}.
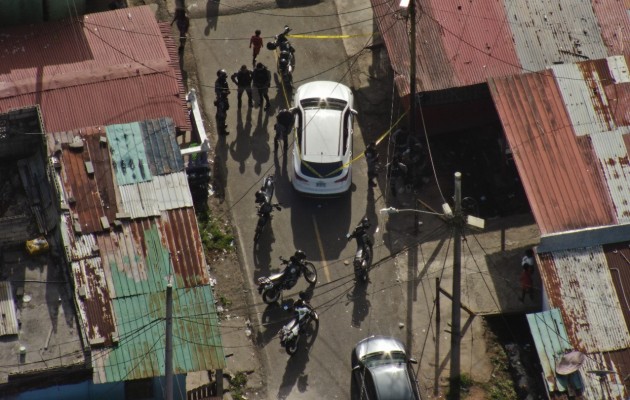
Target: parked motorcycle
{"type": "Point", "coordinates": [264, 205]}
{"type": "Point", "coordinates": [286, 51]}
{"type": "Point", "coordinates": [285, 69]}
{"type": "Point", "coordinates": [363, 256]}
{"type": "Point", "coordinates": [290, 333]}
{"type": "Point", "coordinates": [271, 287]}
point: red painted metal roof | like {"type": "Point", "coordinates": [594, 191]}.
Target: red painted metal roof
{"type": "Point", "coordinates": [557, 167]}
{"type": "Point", "coordinates": [457, 43]}
{"type": "Point", "coordinates": [460, 43]}
{"type": "Point", "coordinates": [113, 67]}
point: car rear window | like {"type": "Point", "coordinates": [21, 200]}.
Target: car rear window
{"type": "Point", "coordinates": [327, 104]}
{"type": "Point", "coordinates": [321, 170]}
{"type": "Point", "coordinates": [376, 359]}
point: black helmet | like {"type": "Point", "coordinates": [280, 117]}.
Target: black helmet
{"type": "Point", "coordinates": [365, 222]}
{"type": "Point", "coordinates": [260, 197]}
{"type": "Point", "coordinates": [222, 73]}
{"type": "Point", "coordinates": [299, 255]}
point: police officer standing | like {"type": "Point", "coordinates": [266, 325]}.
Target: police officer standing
{"type": "Point", "coordinates": [222, 90]}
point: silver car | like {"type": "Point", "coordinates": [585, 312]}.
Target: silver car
{"type": "Point", "coordinates": [381, 370]}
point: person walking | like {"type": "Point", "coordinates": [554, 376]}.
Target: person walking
{"type": "Point", "coordinates": [255, 43]}
{"type": "Point", "coordinates": [284, 124]}
{"type": "Point", "coordinates": [243, 80]}
{"type": "Point", "coordinates": [371, 157]}
{"type": "Point", "coordinates": [183, 23]}
{"type": "Point", "coordinates": [262, 80]}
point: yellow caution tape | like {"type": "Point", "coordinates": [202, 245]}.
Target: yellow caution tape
{"type": "Point", "coordinates": [328, 36]}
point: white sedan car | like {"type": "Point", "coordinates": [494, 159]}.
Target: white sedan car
{"type": "Point", "coordinates": [322, 151]}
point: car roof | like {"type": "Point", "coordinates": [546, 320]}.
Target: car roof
{"type": "Point", "coordinates": [391, 382]}
{"type": "Point", "coordinates": [324, 89]}
{"type": "Point", "coordinates": [322, 136]}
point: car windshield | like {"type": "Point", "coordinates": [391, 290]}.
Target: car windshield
{"type": "Point", "coordinates": [326, 104]}
{"type": "Point", "coordinates": [383, 358]}
{"type": "Point", "coordinates": [321, 170]}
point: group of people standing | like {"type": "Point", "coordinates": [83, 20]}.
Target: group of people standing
{"type": "Point", "coordinates": [245, 80]}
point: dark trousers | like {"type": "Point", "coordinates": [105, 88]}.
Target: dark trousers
{"type": "Point", "coordinates": [239, 93]}
{"type": "Point", "coordinates": [263, 94]}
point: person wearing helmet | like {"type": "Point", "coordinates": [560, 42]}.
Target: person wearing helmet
{"type": "Point", "coordinates": [361, 234]}
{"type": "Point", "coordinates": [292, 270]}
{"type": "Point", "coordinates": [298, 256]}
{"type": "Point", "coordinates": [221, 88]}
{"type": "Point", "coordinates": [260, 197]}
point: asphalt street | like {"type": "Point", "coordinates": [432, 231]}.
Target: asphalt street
{"type": "Point", "coordinates": [399, 300]}
{"type": "Point", "coordinates": [321, 369]}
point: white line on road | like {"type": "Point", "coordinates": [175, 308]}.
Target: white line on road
{"type": "Point", "coordinates": [321, 250]}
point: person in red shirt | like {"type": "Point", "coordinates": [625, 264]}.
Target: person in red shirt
{"type": "Point", "coordinates": [527, 285]}
{"type": "Point", "coordinates": [257, 43]}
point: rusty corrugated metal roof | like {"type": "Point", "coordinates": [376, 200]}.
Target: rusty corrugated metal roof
{"type": "Point", "coordinates": [105, 188]}
{"type": "Point", "coordinates": [465, 43]}
{"type": "Point", "coordinates": [113, 67]}
{"type": "Point", "coordinates": [589, 286]}
{"type": "Point", "coordinates": [140, 353]}
{"type": "Point", "coordinates": [120, 270]}
{"type": "Point", "coordinates": [580, 284]}
{"type": "Point", "coordinates": [567, 133]}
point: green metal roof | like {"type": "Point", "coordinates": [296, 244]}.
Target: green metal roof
{"type": "Point", "coordinates": [140, 352]}
{"type": "Point", "coordinates": [552, 342]}
{"type": "Point", "coordinates": [140, 150]}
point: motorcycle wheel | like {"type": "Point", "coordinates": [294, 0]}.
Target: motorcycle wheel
{"type": "Point", "coordinates": [271, 295]}
{"type": "Point", "coordinates": [262, 221]}
{"type": "Point", "coordinates": [310, 273]}
{"type": "Point", "coordinates": [292, 346]}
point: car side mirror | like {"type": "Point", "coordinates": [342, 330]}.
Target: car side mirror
{"type": "Point", "coordinates": [413, 361]}
{"type": "Point", "coordinates": [354, 112]}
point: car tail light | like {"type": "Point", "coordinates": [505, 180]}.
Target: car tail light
{"type": "Point", "coordinates": [342, 179]}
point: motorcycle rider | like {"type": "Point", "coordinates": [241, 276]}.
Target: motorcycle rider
{"type": "Point", "coordinates": [361, 234]}
{"type": "Point", "coordinates": [301, 309]}
{"type": "Point", "coordinates": [283, 126]}
{"type": "Point", "coordinates": [291, 272]}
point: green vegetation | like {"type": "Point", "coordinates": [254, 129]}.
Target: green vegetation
{"type": "Point", "coordinates": [224, 301]}
{"type": "Point", "coordinates": [238, 384]}
{"type": "Point", "coordinates": [501, 386]}
{"type": "Point", "coordinates": [465, 383]}
{"type": "Point", "coordinates": [213, 235]}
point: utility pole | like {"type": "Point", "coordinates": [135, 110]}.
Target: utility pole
{"type": "Point", "coordinates": [168, 353]}
{"type": "Point", "coordinates": [458, 223]}
{"type": "Point", "coordinates": [412, 69]}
